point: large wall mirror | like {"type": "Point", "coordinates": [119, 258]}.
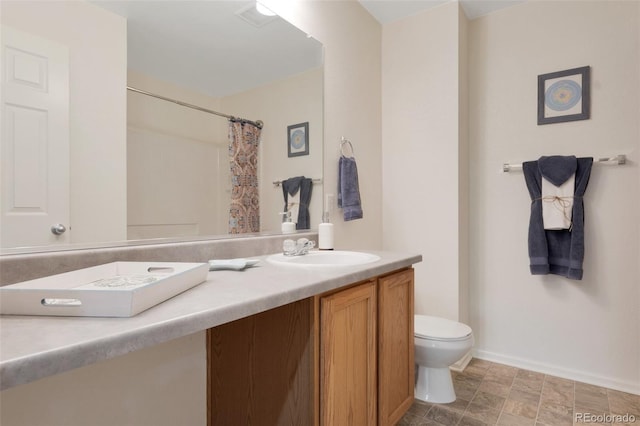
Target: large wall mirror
{"type": "Point", "coordinates": [123, 165]}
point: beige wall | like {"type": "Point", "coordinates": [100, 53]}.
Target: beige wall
{"type": "Point", "coordinates": [421, 145]}
{"type": "Point", "coordinates": [445, 197]}
{"type": "Point", "coordinates": [352, 104]}
{"type": "Point", "coordinates": [278, 106]}
{"type": "Point", "coordinates": [444, 194]}
{"type": "Point", "coordinates": [97, 42]}
{"type": "Point", "coordinates": [587, 330]}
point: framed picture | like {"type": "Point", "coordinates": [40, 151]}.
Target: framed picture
{"type": "Point", "coordinates": [564, 96]}
{"type": "Point", "coordinates": [298, 139]}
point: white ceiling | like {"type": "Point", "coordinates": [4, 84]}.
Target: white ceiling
{"type": "Point", "coordinates": [386, 11]}
{"type": "Point", "coordinates": [205, 46]}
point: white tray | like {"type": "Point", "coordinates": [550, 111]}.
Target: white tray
{"type": "Point", "coordinates": [118, 289]}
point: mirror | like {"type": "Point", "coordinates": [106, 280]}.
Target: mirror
{"type": "Point", "coordinates": [138, 166]}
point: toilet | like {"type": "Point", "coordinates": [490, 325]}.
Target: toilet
{"type": "Point", "coordinates": [439, 343]}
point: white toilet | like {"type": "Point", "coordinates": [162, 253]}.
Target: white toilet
{"type": "Point", "coordinates": [439, 343]}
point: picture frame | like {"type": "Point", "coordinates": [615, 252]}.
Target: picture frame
{"type": "Point", "coordinates": [564, 96]}
{"type": "Point", "coordinates": [298, 139]}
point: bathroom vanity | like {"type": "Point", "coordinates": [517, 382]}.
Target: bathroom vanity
{"type": "Point", "coordinates": [283, 346]}
{"type": "Point", "coordinates": [341, 357]}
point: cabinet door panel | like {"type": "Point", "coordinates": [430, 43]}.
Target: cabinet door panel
{"type": "Point", "coordinates": [348, 357]}
{"type": "Point", "coordinates": [395, 346]}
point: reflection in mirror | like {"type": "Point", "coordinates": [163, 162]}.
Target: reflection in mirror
{"type": "Point", "coordinates": [133, 166]}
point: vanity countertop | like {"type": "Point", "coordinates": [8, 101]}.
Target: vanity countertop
{"type": "Point", "coordinates": [35, 347]}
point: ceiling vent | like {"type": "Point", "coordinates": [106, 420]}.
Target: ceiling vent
{"type": "Point", "coordinates": [250, 14]}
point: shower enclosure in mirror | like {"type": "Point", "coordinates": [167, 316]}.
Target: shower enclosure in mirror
{"type": "Point", "coordinates": [139, 167]}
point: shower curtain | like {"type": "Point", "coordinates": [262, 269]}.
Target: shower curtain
{"type": "Point", "coordinates": [244, 213]}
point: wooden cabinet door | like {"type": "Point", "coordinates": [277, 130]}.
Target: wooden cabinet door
{"type": "Point", "coordinates": [348, 388]}
{"type": "Point", "coordinates": [395, 346]}
{"type": "Point", "coordinates": [260, 369]}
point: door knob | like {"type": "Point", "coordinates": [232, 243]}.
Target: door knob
{"type": "Point", "coordinates": [58, 229]}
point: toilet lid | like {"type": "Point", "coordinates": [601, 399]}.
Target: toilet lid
{"type": "Point", "coordinates": [429, 327]}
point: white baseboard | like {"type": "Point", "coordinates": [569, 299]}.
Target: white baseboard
{"type": "Point", "coordinates": [462, 363]}
{"type": "Point", "coordinates": [566, 373]}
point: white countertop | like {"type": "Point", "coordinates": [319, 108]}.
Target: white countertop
{"type": "Point", "coordinates": [33, 347]}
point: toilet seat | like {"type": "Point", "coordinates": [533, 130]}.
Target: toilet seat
{"type": "Point", "coordinates": [435, 328]}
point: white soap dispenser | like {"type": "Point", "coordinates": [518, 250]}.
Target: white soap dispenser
{"type": "Point", "coordinates": [288, 227]}
{"type": "Point", "coordinates": [325, 229]}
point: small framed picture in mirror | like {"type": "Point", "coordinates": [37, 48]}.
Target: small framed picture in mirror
{"type": "Point", "coordinates": [298, 139]}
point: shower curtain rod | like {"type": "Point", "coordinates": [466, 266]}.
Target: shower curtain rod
{"type": "Point", "coordinates": [257, 123]}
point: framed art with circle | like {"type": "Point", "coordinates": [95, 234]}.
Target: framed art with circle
{"type": "Point", "coordinates": [298, 139]}
{"type": "Point", "coordinates": [564, 96]}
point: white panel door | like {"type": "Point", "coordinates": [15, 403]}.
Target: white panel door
{"type": "Point", "coordinates": [35, 140]}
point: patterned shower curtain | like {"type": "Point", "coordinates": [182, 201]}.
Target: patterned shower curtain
{"type": "Point", "coordinates": [244, 213]}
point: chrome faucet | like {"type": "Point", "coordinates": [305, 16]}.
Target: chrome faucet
{"type": "Point", "coordinates": [297, 248]}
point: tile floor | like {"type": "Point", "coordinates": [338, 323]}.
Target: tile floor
{"type": "Point", "coordinates": [496, 394]}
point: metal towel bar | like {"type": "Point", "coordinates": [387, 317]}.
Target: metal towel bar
{"type": "Point", "coordinates": [279, 182]}
{"type": "Point", "coordinates": [618, 160]}
{"type": "Point", "coordinates": [344, 141]}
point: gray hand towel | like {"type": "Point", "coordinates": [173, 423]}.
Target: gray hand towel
{"type": "Point", "coordinates": [290, 187]}
{"type": "Point", "coordinates": [559, 252]}
{"type": "Point", "coordinates": [348, 189]}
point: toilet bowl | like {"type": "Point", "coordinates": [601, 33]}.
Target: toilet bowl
{"type": "Point", "coordinates": [439, 343]}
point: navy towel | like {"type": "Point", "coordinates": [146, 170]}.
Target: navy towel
{"type": "Point", "coordinates": [305, 186]}
{"type": "Point", "coordinates": [348, 189]}
{"type": "Point", "coordinates": [561, 251]}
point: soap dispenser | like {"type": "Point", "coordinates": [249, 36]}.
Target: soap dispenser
{"type": "Point", "coordinates": [325, 229]}
{"type": "Point", "coordinates": [288, 227]}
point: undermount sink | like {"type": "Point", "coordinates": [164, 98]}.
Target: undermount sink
{"type": "Point", "coordinates": [324, 259]}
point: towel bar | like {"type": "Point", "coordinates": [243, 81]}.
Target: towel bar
{"type": "Point", "coordinates": [344, 141]}
{"type": "Point", "coordinates": [618, 160]}
{"type": "Point", "coordinates": [279, 182]}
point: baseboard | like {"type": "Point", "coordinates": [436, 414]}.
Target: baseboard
{"type": "Point", "coordinates": [462, 363]}
{"type": "Point", "coordinates": [566, 373]}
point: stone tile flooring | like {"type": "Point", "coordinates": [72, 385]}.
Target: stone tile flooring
{"type": "Point", "coordinates": [496, 394]}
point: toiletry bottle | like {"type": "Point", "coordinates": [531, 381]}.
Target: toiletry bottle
{"type": "Point", "coordinates": [325, 233]}
{"type": "Point", "coordinates": [288, 227]}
